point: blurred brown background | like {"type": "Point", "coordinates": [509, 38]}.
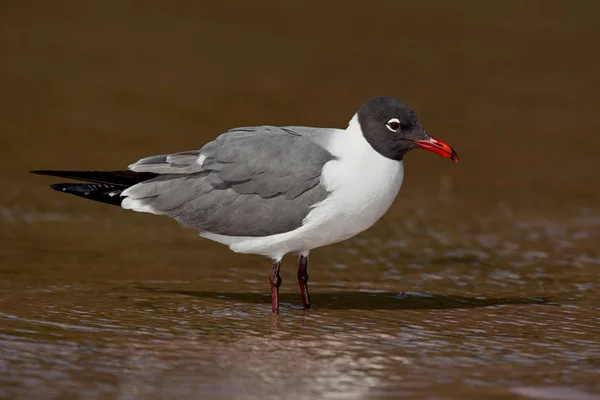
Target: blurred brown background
{"type": "Point", "coordinates": [511, 85]}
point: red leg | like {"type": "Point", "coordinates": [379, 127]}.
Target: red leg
{"type": "Point", "coordinates": [275, 280]}
{"type": "Point", "coordinates": [303, 282]}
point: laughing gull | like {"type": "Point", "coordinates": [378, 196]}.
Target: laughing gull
{"type": "Point", "coordinates": [274, 190]}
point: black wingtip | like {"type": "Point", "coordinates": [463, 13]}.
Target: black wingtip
{"type": "Point", "coordinates": [123, 178]}
{"type": "Point", "coordinates": [102, 192]}
{"type": "Point", "coordinates": [104, 186]}
{"type": "Point", "coordinates": [40, 172]}
{"type": "Point", "coordinates": [61, 187]}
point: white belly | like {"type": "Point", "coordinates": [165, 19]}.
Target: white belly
{"type": "Point", "coordinates": [363, 184]}
{"type": "Point", "coordinates": [354, 206]}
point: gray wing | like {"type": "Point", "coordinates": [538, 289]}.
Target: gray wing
{"type": "Point", "coordinates": [254, 181]}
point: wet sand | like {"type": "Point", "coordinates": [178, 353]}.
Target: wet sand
{"type": "Point", "coordinates": [498, 256]}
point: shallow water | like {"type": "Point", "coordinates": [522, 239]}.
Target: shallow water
{"type": "Point", "coordinates": [482, 281]}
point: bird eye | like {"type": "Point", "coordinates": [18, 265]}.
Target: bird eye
{"type": "Point", "coordinates": [393, 125]}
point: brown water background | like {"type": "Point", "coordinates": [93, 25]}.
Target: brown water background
{"type": "Point", "coordinates": [499, 255]}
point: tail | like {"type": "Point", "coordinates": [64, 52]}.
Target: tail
{"type": "Point", "coordinates": [106, 186]}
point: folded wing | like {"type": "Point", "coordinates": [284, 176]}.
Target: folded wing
{"type": "Point", "coordinates": [254, 181]}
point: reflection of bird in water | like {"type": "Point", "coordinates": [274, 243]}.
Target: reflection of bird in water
{"type": "Point", "coordinates": [274, 190]}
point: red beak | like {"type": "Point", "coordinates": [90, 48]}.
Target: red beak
{"type": "Point", "coordinates": [437, 146]}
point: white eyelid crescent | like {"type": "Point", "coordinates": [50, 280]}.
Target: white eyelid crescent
{"type": "Point", "coordinates": [391, 121]}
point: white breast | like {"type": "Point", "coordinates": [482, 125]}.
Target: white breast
{"type": "Point", "coordinates": [363, 184]}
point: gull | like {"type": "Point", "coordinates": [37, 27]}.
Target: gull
{"type": "Point", "coordinates": [273, 190]}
